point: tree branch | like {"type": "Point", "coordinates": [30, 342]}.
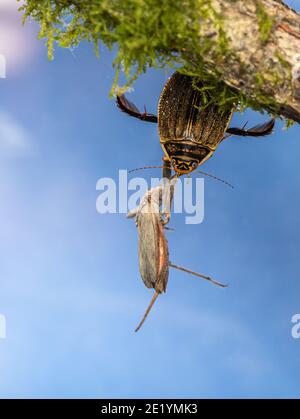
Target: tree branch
{"type": "Point", "coordinates": [245, 51]}
{"type": "Point", "coordinates": [265, 60]}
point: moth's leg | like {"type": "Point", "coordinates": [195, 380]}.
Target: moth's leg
{"type": "Point", "coordinates": [207, 278]}
{"type": "Point", "coordinates": [128, 107]}
{"type": "Point", "coordinates": [257, 131]}
{"type": "Point", "coordinates": [169, 228]}
{"type": "Point", "coordinates": [156, 294]}
{"type": "Point", "coordinates": [134, 213]}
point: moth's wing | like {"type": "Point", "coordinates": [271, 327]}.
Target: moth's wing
{"type": "Point", "coordinates": [148, 249]}
{"type": "Point", "coordinates": [163, 268]}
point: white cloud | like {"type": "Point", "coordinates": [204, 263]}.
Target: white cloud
{"type": "Point", "coordinates": [14, 139]}
{"type": "Point", "coordinates": [9, 4]}
{"type": "Point", "coordinates": [17, 42]}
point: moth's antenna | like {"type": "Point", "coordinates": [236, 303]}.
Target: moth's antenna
{"type": "Point", "coordinates": [145, 167]}
{"type": "Point", "coordinates": [156, 294]}
{"type": "Point", "coordinates": [216, 178]}
{"type": "Point", "coordinates": [207, 278]}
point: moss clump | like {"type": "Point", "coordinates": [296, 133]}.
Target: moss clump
{"type": "Point", "coordinates": [148, 33]}
{"type": "Point", "coordinates": [265, 22]}
{"type": "Point", "coordinates": [151, 33]}
{"type": "Point", "coordinates": [216, 91]}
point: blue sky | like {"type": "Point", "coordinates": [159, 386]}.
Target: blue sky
{"type": "Point", "coordinates": [70, 286]}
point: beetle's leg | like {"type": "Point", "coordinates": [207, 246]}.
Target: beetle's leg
{"type": "Point", "coordinates": [167, 168]}
{"type": "Point", "coordinates": [230, 135]}
{"type": "Point", "coordinates": [129, 108]}
{"type": "Point", "coordinates": [257, 131]}
{"type": "Point", "coordinates": [165, 218]}
{"type": "Point", "coordinates": [168, 190]}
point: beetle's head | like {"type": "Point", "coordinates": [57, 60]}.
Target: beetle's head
{"type": "Point", "coordinates": [186, 157]}
{"type": "Point", "coordinates": [183, 166]}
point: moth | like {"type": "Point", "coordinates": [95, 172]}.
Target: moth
{"type": "Point", "coordinates": [153, 250]}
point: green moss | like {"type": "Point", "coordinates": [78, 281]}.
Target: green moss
{"type": "Point", "coordinates": [265, 22]}
{"type": "Point", "coordinates": [282, 61]}
{"type": "Point", "coordinates": [289, 123]}
{"type": "Point", "coordinates": [156, 33]}
{"type": "Point", "coordinates": [148, 33]}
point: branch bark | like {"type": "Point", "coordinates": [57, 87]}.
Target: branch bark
{"type": "Point", "coordinates": [268, 67]}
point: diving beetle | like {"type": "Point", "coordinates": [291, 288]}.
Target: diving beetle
{"type": "Point", "coordinates": [190, 133]}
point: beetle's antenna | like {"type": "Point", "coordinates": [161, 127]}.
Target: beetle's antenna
{"type": "Point", "coordinates": [207, 278]}
{"type": "Point", "coordinates": [198, 171]}
{"type": "Point", "coordinates": [156, 294]}
{"type": "Point", "coordinates": [216, 178]}
{"type": "Point", "coordinates": [145, 167]}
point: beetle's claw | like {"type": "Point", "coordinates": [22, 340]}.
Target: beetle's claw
{"type": "Point", "coordinates": [165, 218]}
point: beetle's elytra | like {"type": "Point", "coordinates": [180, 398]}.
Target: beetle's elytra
{"type": "Point", "coordinates": [189, 134]}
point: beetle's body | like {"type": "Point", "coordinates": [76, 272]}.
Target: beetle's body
{"type": "Point", "coordinates": [189, 132]}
